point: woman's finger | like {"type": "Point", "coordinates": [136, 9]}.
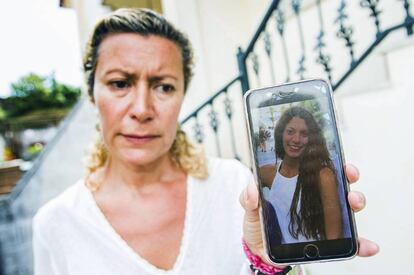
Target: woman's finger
{"type": "Point", "coordinates": [252, 232]}
{"type": "Point", "coordinates": [352, 173]}
{"type": "Point", "coordinates": [367, 248]}
{"type": "Point", "coordinates": [249, 199]}
{"type": "Point", "coordinates": [357, 200]}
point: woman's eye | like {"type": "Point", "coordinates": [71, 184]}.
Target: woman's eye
{"type": "Point", "coordinates": [119, 84]}
{"type": "Point", "coordinates": [165, 88]}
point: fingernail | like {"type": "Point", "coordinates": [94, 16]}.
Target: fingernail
{"type": "Point", "coordinates": [357, 170]}
{"type": "Point", "coordinates": [361, 199]}
{"type": "Point", "coordinates": [373, 248]}
{"type": "Point", "coordinates": [377, 247]}
{"type": "Point", "coordinates": [246, 195]}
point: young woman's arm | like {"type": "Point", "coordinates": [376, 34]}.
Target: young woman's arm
{"type": "Point", "coordinates": [267, 174]}
{"type": "Point", "coordinates": [331, 204]}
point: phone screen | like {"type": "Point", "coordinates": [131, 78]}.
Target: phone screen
{"type": "Point", "coordinates": [300, 170]}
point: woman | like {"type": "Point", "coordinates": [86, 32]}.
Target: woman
{"type": "Point", "coordinates": [303, 185]}
{"type": "Point", "coordinates": [150, 203]}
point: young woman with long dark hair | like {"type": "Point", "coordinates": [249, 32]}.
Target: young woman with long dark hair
{"type": "Point", "coordinates": [303, 184]}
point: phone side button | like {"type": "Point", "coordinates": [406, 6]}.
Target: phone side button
{"type": "Point", "coordinates": [311, 251]}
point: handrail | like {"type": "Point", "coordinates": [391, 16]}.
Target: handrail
{"type": "Point", "coordinates": [210, 99]}
{"type": "Point", "coordinates": [366, 53]}
{"type": "Point", "coordinates": [21, 184]}
{"type": "Point", "coordinates": [262, 25]}
{"type": "Point", "coordinates": [274, 4]}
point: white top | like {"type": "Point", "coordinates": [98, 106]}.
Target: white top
{"type": "Point", "coordinates": [281, 196]}
{"type": "Point", "coordinates": [72, 236]}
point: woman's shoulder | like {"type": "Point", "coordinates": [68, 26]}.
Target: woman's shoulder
{"type": "Point", "coordinates": [326, 173]}
{"type": "Point", "coordinates": [228, 173]}
{"type": "Point", "coordinates": [327, 176]}
{"type": "Point", "coordinates": [268, 168]}
{"type": "Point", "coordinates": [268, 173]}
{"type": "Point", "coordinates": [227, 168]}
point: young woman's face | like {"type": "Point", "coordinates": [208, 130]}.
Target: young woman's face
{"type": "Point", "coordinates": [295, 137]}
{"type": "Point", "coordinates": [138, 90]}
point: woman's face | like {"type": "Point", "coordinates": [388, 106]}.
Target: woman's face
{"type": "Point", "coordinates": [138, 90]}
{"type": "Point", "coordinates": [295, 137]}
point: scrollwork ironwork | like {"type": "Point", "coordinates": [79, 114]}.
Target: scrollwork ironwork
{"type": "Point", "coordinates": [345, 32]}
{"type": "Point", "coordinates": [322, 58]}
{"type": "Point", "coordinates": [375, 12]}
{"type": "Point", "coordinates": [198, 131]}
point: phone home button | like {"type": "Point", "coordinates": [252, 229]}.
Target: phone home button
{"type": "Point", "coordinates": [311, 251]}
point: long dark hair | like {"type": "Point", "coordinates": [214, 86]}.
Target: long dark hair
{"type": "Point", "coordinates": [309, 219]}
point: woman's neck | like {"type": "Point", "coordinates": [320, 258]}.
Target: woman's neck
{"type": "Point", "coordinates": [121, 176]}
{"type": "Point", "coordinates": [289, 167]}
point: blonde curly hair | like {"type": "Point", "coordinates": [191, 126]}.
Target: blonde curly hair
{"type": "Point", "coordinates": [186, 156]}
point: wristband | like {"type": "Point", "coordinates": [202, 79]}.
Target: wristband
{"type": "Point", "coordinates": [260, 267]}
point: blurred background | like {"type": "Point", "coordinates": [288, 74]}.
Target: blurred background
{"type": "Point", "coordinates": [365, 48]}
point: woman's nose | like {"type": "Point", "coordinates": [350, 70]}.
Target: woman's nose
{"type": "Point", "coordinates": [142, 107]}
{"type": "Point", "coordinates": [296, 138]}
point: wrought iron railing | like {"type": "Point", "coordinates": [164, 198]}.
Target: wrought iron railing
{"type": "Point", "coordinates": [219, 103]}
{"type": "Point", "coordinates": [283, 37]}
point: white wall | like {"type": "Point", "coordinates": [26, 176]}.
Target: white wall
{"type": "Point", "coordinates": [88, 13]}
{"type": "Point", "coordinates": [216, 29]}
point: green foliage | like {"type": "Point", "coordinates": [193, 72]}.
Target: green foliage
{"type": "Point", "coordinates": [33, 92]}
{"type": "Point", "coordinates": [30, 85]}
{"type": "Point", "coordinates": [264, 134]}
{"type": "Point", "coordinates": [2, 114]}
{"type": "Point", "coordinates": [34, 149]}
{"type": "Point", "coordinates": [36, 119]}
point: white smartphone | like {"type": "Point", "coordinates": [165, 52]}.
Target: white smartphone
{"type": "Point", "coordinates": [299, 169]}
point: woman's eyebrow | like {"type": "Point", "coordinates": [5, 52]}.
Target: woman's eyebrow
{"type": "Point", "coordinates": [131, 74]}
{"type": "Point", "coordinates": [161, 77]}
{"type": "Point", "coordinates": [122, 71]}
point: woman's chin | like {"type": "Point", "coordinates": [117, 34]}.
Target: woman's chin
{"type": "Point", "coordinates": [140, 158]}
{"type": "Point", "coordinates": [294, 155]}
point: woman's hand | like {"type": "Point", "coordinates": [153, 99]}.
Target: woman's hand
{"type": "Point", "coordinates": [252, 232]}
{"type": "Point", "coordinates": [357, 202]}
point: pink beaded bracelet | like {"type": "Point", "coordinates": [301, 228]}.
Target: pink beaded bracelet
{"type": "Point", "coordinates": [258, 264]}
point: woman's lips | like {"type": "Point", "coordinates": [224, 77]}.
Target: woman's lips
{"type": "Point", "coordinates": [140, 139]}
{"type": "Point", "coordinates": [295, 148]}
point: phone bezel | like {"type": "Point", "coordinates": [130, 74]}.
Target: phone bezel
{"type": "Point", "coordinates": [351, 216]}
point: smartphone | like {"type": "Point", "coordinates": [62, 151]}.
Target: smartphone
{"type": "Point", "coordinates": [298, 163]}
